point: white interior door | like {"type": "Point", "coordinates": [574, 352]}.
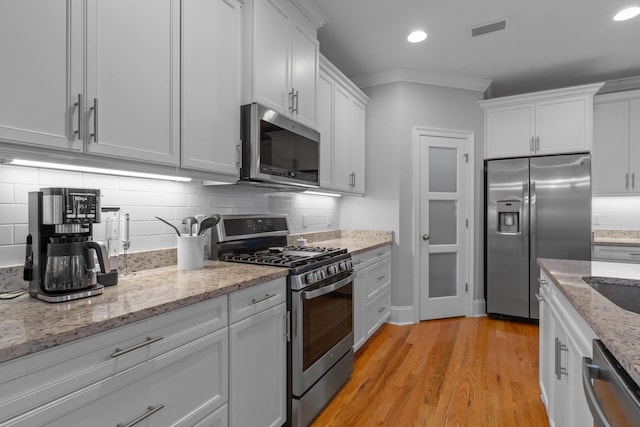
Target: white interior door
{"type": "Point", "coordinates": [443, 215]}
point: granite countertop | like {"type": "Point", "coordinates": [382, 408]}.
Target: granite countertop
{"type": "Point", "coordinates": [616, 237]}
{"type": "Point", "coordinates": [618, 328]}
{"type": "Point", "coordinates": [28, 325]}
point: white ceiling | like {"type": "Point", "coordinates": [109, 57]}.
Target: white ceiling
{"type": "Point", "coordinates": [549, 43]}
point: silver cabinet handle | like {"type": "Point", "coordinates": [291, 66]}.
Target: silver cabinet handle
{"type": "Point", "coordinates": [537, 144]}
{"type": "Point", "coordinates": [626, 180]}
{"type": "Point", "coordinates": [531, 145]}
{"type": "Point", "coordinates": [425, 237]}
{"type": "Point", "coordinates": [539, 298]}
{"type": "Point", "coordinates": [148, 341]}
{"type": "Point", "coordinates": [354, 180]}
{"type": "Point", "coordinates": [94, 135]}
{"type": "Point", "coordinates": [542, 282]}
{"type": "Point", "coordinates": [592, 371]}
{"type": "Point", "coordinates": [633, 181]}
{"type": "Point", "coordinates": [291, 109]}
{"type": "Point", "coordinates": [295, 99]}
{"type": "Point", "coordinates": [381, 309]}
{"type": "Point", "coordinates": [381, 277]}
{"type": "Point", "coordinates": [380, 253]}
{"type": "Point", "coordinates": [78, 108]}
{"type": "Point", "coordinates": [150, 411]}
{"type": "Point", "coordinates": [559, 370]}
{"type": "Point", "coordinates": [266, 297]}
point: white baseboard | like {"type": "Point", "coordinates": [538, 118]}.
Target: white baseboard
{"type": "Point", "coordinates": [479, 308]}
{"type": "Point", "coordinates": [402, 315]}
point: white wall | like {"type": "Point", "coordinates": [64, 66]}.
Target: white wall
{"type": "Point", "coordinates": [394, 110]}
{"type": "Point", "coordinates": [144, 199]}
{"type": "Point", "coordinates": [615, 212]}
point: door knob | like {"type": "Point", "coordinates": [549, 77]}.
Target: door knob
{"type": "Point", "coordinates": [425, 237]}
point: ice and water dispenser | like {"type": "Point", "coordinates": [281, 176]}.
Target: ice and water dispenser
{"type": "Point", "coordinates": [509, 217]}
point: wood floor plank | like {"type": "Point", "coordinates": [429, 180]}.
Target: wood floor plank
{"type": "Point", "coordinates": [443, 373]}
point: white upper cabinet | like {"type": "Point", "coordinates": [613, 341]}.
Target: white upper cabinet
{"type": "Point", "coordinates": [550, 122]}
{"type": "Point", "coordinates": [133, 79]}
{"type": "Point", "coordinates": [281, 53]}
{"type": "Point", "coordinates": [341, 110]}
{"type": "Point", "coordinates": [615, 160]}
{"type": "Point", "coordinates": [41, 45]}
{"type": "Point", "coordinates": [210, 85]}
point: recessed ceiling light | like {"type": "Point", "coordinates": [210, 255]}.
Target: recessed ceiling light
{"type": "Point", "coordinates": [628, 13]}
{"type": "Point", "coordinates": [417, 36]}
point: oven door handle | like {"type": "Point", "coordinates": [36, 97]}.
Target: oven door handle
{"type": "Point", "coordinates": [328, 289]}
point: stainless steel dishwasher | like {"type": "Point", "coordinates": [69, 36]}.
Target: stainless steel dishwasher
{"type": "Point", "coordinates": [613, 396]}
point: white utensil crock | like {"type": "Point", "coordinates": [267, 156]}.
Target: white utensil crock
{"type": "Point", "coordinates": [190, 252]}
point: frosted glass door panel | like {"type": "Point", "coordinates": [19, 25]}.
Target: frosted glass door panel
{"type": "Point", "coordinates": [443, 170]}
{"type": "Point", "coordinates": [442, 222]}
{"type": "Point", "coordinates": [442, 275]}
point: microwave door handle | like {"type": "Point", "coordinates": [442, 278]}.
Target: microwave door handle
{"type": "Point", "coordinates": [328, 289]}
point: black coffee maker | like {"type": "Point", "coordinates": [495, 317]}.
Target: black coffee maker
{"type": "Point", "coordinates": [60, 262]}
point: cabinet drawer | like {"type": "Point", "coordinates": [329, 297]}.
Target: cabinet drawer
{"type": "Point", "coordinates": [629, 254]}
{"type": "Point", "coordinates": [249, 301]}
{"type": "Point", "coordinates": [377, 278]}
{"type": "Point", "coordinates": [184, 385]}
{"type": "Point", "coordinates": [365, 259]}
{"type": "Point", "coordinates": [220, 418]}
{"type": "Point", "coordinates": [377, 311]}
{"type": "Point", "coordinates": [30, 381]}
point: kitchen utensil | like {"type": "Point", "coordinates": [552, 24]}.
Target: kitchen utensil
{"type": "Point", "coordinates": [208, 222]}
{"type": "Point", "coordinates": [169, 224]}
{"type": "Point", "coordinates": [189, 221]}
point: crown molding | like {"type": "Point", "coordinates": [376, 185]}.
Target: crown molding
{"type": "Point", "coordinates": [620, 85]}
{"type": "Point", "coordinates": [422, 77]}
{"type": "Point", "coordinates": [312, 11]}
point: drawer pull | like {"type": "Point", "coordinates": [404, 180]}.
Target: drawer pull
{"type": "Point", "coordinates": [634, 254]}
{"type": "Point", "coordinates": [150, 411]}
{"type": "Point", "coordinates": [542, 282]}
{"type": "Point", "coordinates": [266, 297]}
{"type": "Point", "coordinates": [358, 262]}
{"type": "Point", "coordinates": [148, 341]}
{"type": "Point", "coordinates": [380, 254]}
{"type": "Point", "coordinates": [381, 309]}
{"type": "Point", "coordinates": [381, 277]}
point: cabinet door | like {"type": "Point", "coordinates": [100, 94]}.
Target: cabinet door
{"type": "Point", "coordinates": [357, 145]}
{"type": "Point", "coordinates": [509, 131]}
{"type": "Point", "coordinates": [41, 45]}
{"type": "Point", "coordinates": [634, 144]}
{"type": "Point", "coordinates": [271, 50]}
{"type": "Point", "coordinates": [258, 370]}
{"type": "Point", "coordinates": [610, 155]}
{"type": "Point", "coordinates": [564, 125]}
{"type": "Point", "coordinates": [304, 72]}
{"type": "Point", "coordinates": [324, 111]}
{"type": "Point", "coordinates": [210, 114]}
{"type": "Point", "coordinates": [341, 169]}
{"type": "Point", "coordinates": [133, 79]}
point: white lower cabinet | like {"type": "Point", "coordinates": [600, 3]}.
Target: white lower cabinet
{"type": "Point", "coordinates": [371, 293]}
{"type": "Point", "coordinates": [187, 367]}
{"type": "Point", "coordinates": [258, 369]}
{"type": "Point", "coordinates": [564, 339]}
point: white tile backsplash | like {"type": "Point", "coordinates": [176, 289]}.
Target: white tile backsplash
{"type": "Point", "coordinates": [616, 213]}
{"type": "Point", "coordinates": [143, 199]}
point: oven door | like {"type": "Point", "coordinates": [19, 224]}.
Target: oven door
{"type": "Point", "coordinates": [322, 330]}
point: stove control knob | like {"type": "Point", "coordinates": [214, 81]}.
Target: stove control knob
{"type": "Point", "coordinates": [332, 269]}
{"type": "Point", "coordinates": [342, 266]}
{"type": "Point", "coordinates": [349, 265]}
{"type": "Point", "coordinates": [320, 274]}
{"type": "Point", "coordinates": [311, 278]}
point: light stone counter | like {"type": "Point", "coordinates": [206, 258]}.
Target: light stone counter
{"type": "Point", "coordinates": [618, 328]}
{"type": "Point", "coordinates": [28, 325]}
{"type": "Point", "coordinates": [616, 237]}
{"type": "Point", "coordinates": [356, 241]}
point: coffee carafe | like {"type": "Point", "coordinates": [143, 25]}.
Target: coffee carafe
{"type": "Point", "coordinates": [60, 262]}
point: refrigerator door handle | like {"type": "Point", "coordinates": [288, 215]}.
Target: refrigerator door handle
{"type": "Point", "coordinates": [525, 220]}
{"type": "Point", "coordinates": [532, 221]}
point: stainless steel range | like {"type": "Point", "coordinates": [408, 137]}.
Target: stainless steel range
{"type": "Point", "coordinates": [320, 301]}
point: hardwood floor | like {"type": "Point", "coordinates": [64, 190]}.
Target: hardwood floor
{"type": "Point", "coordinates": [451, 372]}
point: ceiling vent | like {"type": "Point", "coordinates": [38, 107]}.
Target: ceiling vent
{"type": "Point", "coordinates": [491, 27]}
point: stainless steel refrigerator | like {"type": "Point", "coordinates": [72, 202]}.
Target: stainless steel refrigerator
{"type": "Point", "coordinates": [538, 207]}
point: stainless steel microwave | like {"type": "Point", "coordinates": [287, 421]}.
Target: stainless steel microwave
{"type": "Point", "coordinates": [276, 150]}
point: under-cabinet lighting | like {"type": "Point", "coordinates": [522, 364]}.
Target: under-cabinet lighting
{"type": "Point", "coordinates": [320, 193]}
{"type": "Point", "coordinates": [61, 166]}
{"type": "Point", "coordinates": [628, 13]}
